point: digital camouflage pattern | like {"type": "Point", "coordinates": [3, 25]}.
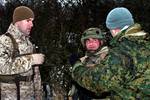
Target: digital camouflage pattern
{"type": "Point", "coordinates": [90, 59]}
{"type": "Point", "coordinates": [95, 57]}
{"type": "Point", "coordinates": [21, 65]}
{"type": "Point", "coordinates": [125, 70]}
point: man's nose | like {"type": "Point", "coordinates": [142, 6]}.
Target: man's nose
{"type": "Point", "coordinates": [31, 24]}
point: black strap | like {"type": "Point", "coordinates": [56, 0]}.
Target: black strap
{"type": "Point", "coordinates": [17, 78]}
{"type": "Point", "coordinates": [12, 78]}
{"type": "Point", "coordinates": [18, 88]}
{"type": "Point", "coordinates": [15, 52]}
{"type": "Point", "coordinates": [0, 90]}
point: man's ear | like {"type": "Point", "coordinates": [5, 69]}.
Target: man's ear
{"type": "Point", "coordinates": [114, 32]}
{"type": "Point", "coordinates": [101, 42]}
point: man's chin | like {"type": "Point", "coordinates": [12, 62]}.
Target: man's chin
{"type": "Point", "coordinates": [92, 49]}
{"type": "Point", "coordinates": [26, 34]}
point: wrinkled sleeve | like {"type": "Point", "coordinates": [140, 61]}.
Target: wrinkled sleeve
{"type": "Point", "coordinates": [9, 65]}
{"type": "Point", "coordinates": [111, 75]}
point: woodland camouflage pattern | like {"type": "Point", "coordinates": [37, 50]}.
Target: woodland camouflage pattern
{"type": "Point", "coordinates": [21, 65]}
{"type": "Point", "coordinates": [125, 72]}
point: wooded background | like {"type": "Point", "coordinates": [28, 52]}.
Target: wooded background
{"type": "Point", "coordinates": [58, 26]}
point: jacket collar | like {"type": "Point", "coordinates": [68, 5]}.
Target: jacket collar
{"type": "Point", "coordinates": [134, 30]}
{"type": "Point", "coordinates": [13, 30]}
{"type": "Point", "coordinates": [131, 31]}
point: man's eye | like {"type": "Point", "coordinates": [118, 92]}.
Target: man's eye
{"type": "Point", "coordinates": [28, 20]}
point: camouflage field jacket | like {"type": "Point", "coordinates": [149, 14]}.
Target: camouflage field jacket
{"type": "Point", "coordinates": [22, 64]}
{"type": "Point", "coordinates": [124, 72]}
{"type": "Point", "coordinates": [19, 64]}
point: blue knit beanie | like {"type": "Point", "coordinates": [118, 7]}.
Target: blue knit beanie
{"type": "Point", "coordinates": [118, 18]}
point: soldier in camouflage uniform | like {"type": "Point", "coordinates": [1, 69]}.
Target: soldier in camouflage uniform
{"type": "Point", "coordinates": [20, 64]}
{"type": "Point", "coordinates": [125, 70]}
{"type": "Point", "coordinates": [94, 51]}
{"type": "Point", "coordinates": [94, 43]}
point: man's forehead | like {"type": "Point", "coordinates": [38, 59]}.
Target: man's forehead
{"type": "Point", "coordinates": [92, 39]}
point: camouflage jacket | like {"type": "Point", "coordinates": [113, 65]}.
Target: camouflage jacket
{"type": "Point", "coordinates": [22, 65]}
{"type": "Point", "coordinates": [90, 59]}
{"type": "Point", "coordinates": [125, 70]}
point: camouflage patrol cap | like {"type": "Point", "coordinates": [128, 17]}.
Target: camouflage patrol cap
{"type": "Point", "coordinates": [91, 33]}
